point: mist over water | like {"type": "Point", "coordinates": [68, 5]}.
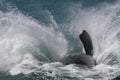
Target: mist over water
{"type": "Point", "coordinates": [34, 48]}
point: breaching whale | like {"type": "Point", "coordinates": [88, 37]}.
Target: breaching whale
{"type": "Point", "coordinates": [83, 59]}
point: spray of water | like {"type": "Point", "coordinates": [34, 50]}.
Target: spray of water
{"type": "Point", "coordinates": [21, 35]}
{"type": "Point", "coordinates": [25, 41]}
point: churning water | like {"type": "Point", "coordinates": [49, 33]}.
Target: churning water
{"type": "Point", "coordinates": [35, 35]}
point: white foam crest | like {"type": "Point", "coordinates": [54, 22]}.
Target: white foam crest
{"type": "Point", "coordinates": [99, 72]}
{"type": "Point", "coordinates": [20, 35]}
{"type": "Point", "coordinates": [26, 66]}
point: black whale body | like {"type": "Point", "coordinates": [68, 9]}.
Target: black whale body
{"type": "Point", "coordinates": [79, 59]}
{"type": "Point", "coordinates": [82, 59]}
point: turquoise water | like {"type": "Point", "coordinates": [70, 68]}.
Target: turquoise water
{"type": "Point", "coordinates": [36, 34]}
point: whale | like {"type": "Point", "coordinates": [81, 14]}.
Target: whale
{"type": "Point", "coordinates": [82, 59]}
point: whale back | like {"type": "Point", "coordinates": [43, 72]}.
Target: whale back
{"type": "Point", "coordinates": [79, 59]}
{"type": "Point", "coordinates": [87, 42]}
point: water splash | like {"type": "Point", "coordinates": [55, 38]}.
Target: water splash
{"type": "Point", "coordinates": [103, 25]}
{"type": "Point", "coordinates": [21, 35]}
{"type": "Point", "coordinates": [24, 41]}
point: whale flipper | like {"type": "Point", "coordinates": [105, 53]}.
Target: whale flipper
{"type": "Point", "coordinates": [87, 42]}
{"type": "Point", "coordinates": [82, 59]}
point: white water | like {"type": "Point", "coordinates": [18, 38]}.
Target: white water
{"type": "Point", "coordinates": [21, 37]}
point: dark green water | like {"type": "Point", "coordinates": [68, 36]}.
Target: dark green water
{"type": "Point", "coordinates": [37, 9]}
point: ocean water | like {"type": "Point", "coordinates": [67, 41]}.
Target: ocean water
{"type": "Point", "coordinates": [36, 34]}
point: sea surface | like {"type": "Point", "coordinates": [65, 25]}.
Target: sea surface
{"type": "Point", "coordinates": [36, 34]}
